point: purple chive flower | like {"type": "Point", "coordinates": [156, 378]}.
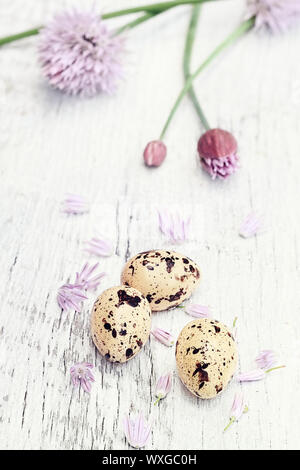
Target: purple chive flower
{"type": "Point", "coordinates": [81, 375]}
{"type": "Point", "coordinates": [85, 280]}
{"type": "Point", "coordinates": [163, 387]}
{"type": "Point", "coordinates": [163, 336]}
{"type": "Point", "coordinates": [276, 15]}
{"type": "Point", "coordinates": [237, 410]}
{"type": "Point", "coordinates": [99, 247]}
{"type": "Point", "coordinates": [79, 55]}
{"type": "Point", "coordinates": [252, 376]}
{"type": "Point", "coordinates": [251, 226]}
{"type": "Point", "coordinates": [173, 226]}
{"type": "Point", "coordinates": [198, 311]}
{"type": "Point", "coordinates": [137, 431]}
{"type": "Point", "coordinates": [75, 204]}
{"type": "Point", "coordinates": [266, 359]}
{"type": "Point", "coordinates": [70, 296]}
{"type": "Point", "coordinates": [218, 153]}
{"type": "Point", "coordinates": [155, 153]}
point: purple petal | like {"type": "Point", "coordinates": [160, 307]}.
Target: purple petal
{"type": "Point", "coordinates": [251, 226]}
{"type": "Point", "coordinates": [99, 247]}
{"type": "Point", "coordinates": [173, 226]}
{"type": "Point", "coordinates": [163, 336]}
{"type": "Point", "coordinates": [238, 406]}
{"type": "Point", "coordinates": [266, 359]}
{"type": "Point", "coordinates": [198, 311]}
{"type": "Point", "coordinates": [254, 375]}
{"type": "Point", "coordinates": [74, 204]}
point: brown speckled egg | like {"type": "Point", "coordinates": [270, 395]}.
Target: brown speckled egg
{"type": "Point", "coordinates": [165, 278]}
{"type": "Point", "coordinates": [120, 323]}
{"type": "Point", "coordinates": [206, 357]}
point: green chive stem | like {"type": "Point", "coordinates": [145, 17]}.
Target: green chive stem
{"type": "Point", "coordinates": [237, 33]}
{"type": "Point", "coordinates": [274, 368]}
{"type": "Point", "coordinates": [232, 420]}
{"type": "Point", "coordinates": [152, 9]}
{"type": "Point", "coordinates": [190, 39]}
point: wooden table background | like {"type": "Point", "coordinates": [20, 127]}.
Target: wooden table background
{"type": "Point", "coordinates": [52, 144]}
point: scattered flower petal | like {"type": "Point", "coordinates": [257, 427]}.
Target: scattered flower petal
{"type": "Point", "coordinates": [251, 226]}
{"type": "Point", "coordinates": [70, 296]}
{"type": "Point", "coordinates": [82, 376]}
{"type": "Point", "coordinates": [163, 336]}
{"type": "Point", "coordinates": [266, 359]}
{"type": "Point", "coordinates": [252, 376]}
{"type": "Point", "coordinates": [163, 387]}
{"type": "Point", "coordinates": [84, 279]}
{"type": "Point", "coordinates": [276, 15]}
{"type": "Point", "coordinates": [99, 247]}
{"type": "Point", "coordinates": [198, 311]}
{"type": "Point", "coordinates": [155, 153]}
{"type": "Point", "coordinates": [137, 431]}
{"type": "Point", "coordinates": [75, 204]}
{"type": "Point", "coordinates": [79, 55]}
{"type": "Point", "coordinates": [173, 226]}
{"type": "Point", "coordinates": [218, 153]}
{"type": "Point", "coordinates": [237, 410]}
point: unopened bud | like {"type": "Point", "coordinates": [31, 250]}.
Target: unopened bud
{"type": "Point", "coordinates": [155, 153]}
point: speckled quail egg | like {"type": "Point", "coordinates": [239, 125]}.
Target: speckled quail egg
{"type": "Point", "coordinates": [165, 278]}
{"type": "Point", "coordinates": [120, 323]}
{"type": "Point", "coordinates": [206, 357]}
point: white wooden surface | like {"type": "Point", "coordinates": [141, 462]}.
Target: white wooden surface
{"type": "Point", "coordinates": [51, 144]}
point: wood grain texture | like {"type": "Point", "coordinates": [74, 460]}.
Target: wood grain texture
{"type": "Point", "coordinates": [52, 144]}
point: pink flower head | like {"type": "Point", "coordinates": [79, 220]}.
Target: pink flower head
{"type": "Point", "coordinates": [81, 375]}
{"type": "Point", "coordinates": [237, 410]}
{"type": "Point", "coordinates": [137, 431]}
{"type": "Point", "coordinates": [155, 153]}
{"type": "Point", "coordinates": [218, 153]}
{"type": "Point", "coordinates": [70, 296]}
{"type": "Point", "coordinates": [99, 247]}
{"type": "Point", "coordinates": [276, 15]}
{"type": "Point", "coordinates": [163, 386]}
{"type": "Point", "coordinates": [266, 359]}
{"type": "Point", "coordinates": [252, 376]}
{"type": "Point", "coordinates": [251, 226]}
{"type": "Point", "coordinates": [78, 54]}
{"type": "Point", "coordinates": [85, 280]}
{"type": "Point", "coordinates": [75, 204]}
{"type": "Point", "coordinates": [198, 311]}
{"type": "Point", "coordinates": [173, 226]}
{"type": "Point", "coordinates": [163, 336]}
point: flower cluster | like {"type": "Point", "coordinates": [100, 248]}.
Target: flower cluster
{"type": "Point", "coordinates": [72, 295]}
{"type": "Point", "coordinates": [276, 15]}
{"type": "Point", "coordinates": [174, 226]}
{"type": "Point", "coordinates": [265, 361]}
{"type": "Point", "coordinates": [82, 375]}
{"type": "Point", "coordinates": [218, 153]}
{"type": "Point", "coordinates": [79, 55]}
